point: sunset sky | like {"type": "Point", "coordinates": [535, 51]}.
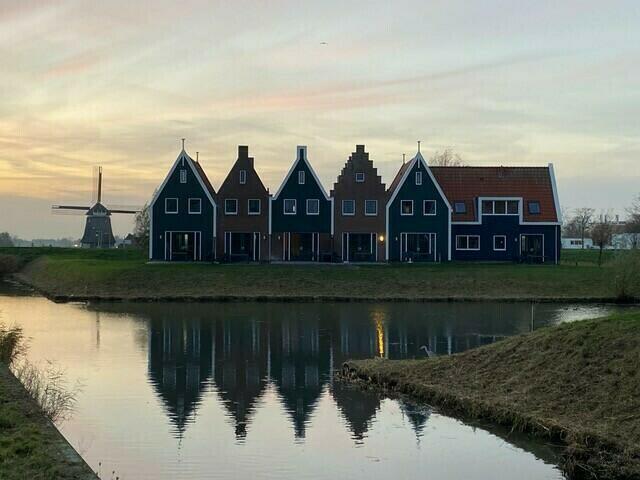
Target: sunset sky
{"type": "Point", "coordinates": [118, 84]}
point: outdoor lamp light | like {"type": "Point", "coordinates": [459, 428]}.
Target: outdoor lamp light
{"type": "Point", "coordinates": [381, 238]}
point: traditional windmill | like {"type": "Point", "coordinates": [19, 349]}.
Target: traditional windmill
{"type": "Point", "coordinates": [97, 230]}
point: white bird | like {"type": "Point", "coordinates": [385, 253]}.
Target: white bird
{"type": "Point", "coordinates": [427, 351]}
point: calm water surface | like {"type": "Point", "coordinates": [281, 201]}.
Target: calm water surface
{"type": "Point", "coordinates": [189, 391]}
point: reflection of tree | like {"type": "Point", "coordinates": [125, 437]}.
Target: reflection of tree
{"type": "Point", "coordinates": [357, 406]}
{"type": "Point", "coordinates": [416, 414]}
{"type": "Point", "coordinates": [179, 366]}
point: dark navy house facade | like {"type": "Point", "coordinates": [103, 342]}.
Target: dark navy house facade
{"type": "Point", "coordinates": [183, 215]}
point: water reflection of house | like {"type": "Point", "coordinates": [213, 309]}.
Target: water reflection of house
{"type": "Point", "coordinates": [358, 407]}
{"type": "Point", "coordinates": [179, 366]}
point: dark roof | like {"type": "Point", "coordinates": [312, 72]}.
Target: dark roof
{"type": "Point", "coordinates": [398, 177]}
{"type": "Point", "coordinates": [466, 184]}
{"type": "Point", "coordinates": [204, 178]}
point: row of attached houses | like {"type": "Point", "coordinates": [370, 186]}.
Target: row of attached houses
{"type": "Point", "coordinates": [428, 214]}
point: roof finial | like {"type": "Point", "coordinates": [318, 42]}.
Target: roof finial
{"type": "Point", "coordinates": [198, 157]}
{"type": "Point", "coordinates": [183, 144]}
{"type": "Point", "coordinates": [418, 146]}
{"type": "Point", "coordinates": [403, 155]}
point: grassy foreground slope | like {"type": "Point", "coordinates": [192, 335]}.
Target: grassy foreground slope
{"type": "Point", "coordinates": [578, 382]}
{"type": "Point", "coordinates": [93, 274]}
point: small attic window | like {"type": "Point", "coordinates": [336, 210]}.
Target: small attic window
{"type": "Point", "coordinates": [460, 207]}
{"type": "Point", "coordinates": [360, 177]}
{"type": "Point", "coordinates": [301, 177]}
{"type": "Point", "coordinates": [418, 178]}
{"type": "Point", "coordinates": [183, 175]}
{"type": "Point", "coordinates": [243, 177]}
{"type": "Point", "coordinates": [534, 208]}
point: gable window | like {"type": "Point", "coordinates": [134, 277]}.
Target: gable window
{"type": "Point", "coordinates": [406, 207]}
{"type": "Point", "coordinates": [418, 178]}
{"type": "Point", "coordinates": [243, 177]}
{"type": "Point", "coordinates": [301, 177]}
{"type": "Point", "coordinates": [500, 207]}
{"type": "Point", "coordinates": [499, 243]}
{"type": "Point", "coordinates": [467, 242]}
{"type": "Point", "coordinates": [170, 205]}
{"type": "Point", "coordinates": [460, 207]}
{"type": "Point", "coordinates": [313, 206]}
{"type": "Point", "coordinates": [360, 177]}
{"type": "Point", "coordinates": [289, 206]}
{"type": "Point", "coordinates": [429, 207]}
{"type": "Point", "coordinates": [534, 208]}
{"type": "Point", "coordinates": [231, 206]}
{"type": "Point", "coordinates": [183, 175]}
{"type": "Point", "coordinates": [348, 207]}
{"type": "Point", "coordinates": [371, 207]}
{"type": "Point", "coordinates": [253, 206]}
{"type": "Point", "coordinates": [195, 205]}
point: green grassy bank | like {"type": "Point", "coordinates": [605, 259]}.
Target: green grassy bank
{"type": "Point", "coordinates": [578, 383]}
{"type": "Point", "coordinates": [68, 274]}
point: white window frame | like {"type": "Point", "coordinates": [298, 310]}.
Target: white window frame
{"type": "Point", "coordinates": [183, 175]}
{"type": "Point", "coordinates": [494, 243]}
{"type": "Point", "coordinates": [301, 177]}
{"type": "Point", "coordinates": [228, 212]}
{"type": "Point", "coordinates": [419, 178]}
{"type": "Point", "coordinates": [424, 208]}
{"type": "Point", "coordinates": [346, 214]}
{"type": "Point", "coordinates": [361, 178]}
{"type": "Point", "coordinates": [166, 210]}
{"type": "Point", "coordinates": [313, 200]}
{"type": "Point", "coordinates": [406, 214]}
{"type": "Point", "coordinates": [467, 249]}
{"type": "Point", "coordinates": [375, 202]}
{"type": "Point", "coordinates": [243, 177]}
{"type": "Point", "coordinates": [193, 212]}
{"type": "Point", "coordinates": [284, 206]}
{"type": "Point", "coordinates": [249, 212]}
{"type": "Point", "coordinates": [506, 206]}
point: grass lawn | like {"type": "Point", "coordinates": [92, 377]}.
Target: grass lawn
{"type": "Point", "coordinates": [578, 382]}
{"type": "Point", "coordinates": [76, 273]}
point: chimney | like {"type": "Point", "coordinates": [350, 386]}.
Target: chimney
{"type": "Point", "coordinates": [243, 151]}
{"type": "Point", "coordinates": [359, 148]}
{"type": "Point", "coordinates": [302, 152]}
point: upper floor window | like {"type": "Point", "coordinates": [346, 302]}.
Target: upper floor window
{"type": "Point", "coordinates": [418, 178]}
{"type": "Point", "coordinates": [406, 207]}
{"type": "Point", "coordinates": [313, 206]}
{"type": "Point", "coordinates": [253, 206]}
{"type": "Point", "coordinates": [500, 207]}
{"type": "Point", "coordinates": [371, 207]}
{"type": "Point", "coordinates": [289, 206]}
{"type": "Point", "coordinates": [183, 175]}
{"type": "Point", "coordinates": [460, 207]}
{"type": "Point", "coordinates": [359, 177]}
{"type": "Point", "coordinates": [231, 206]}
{"type": "Point", "coordinates": [348, 207]}
{"type": "Point", "coordinates": [243, 177]}
{"type": "Point", "coordinates": [195, 205]}
{"type": "Point", "coordinates": [301, 177]}
{"type": "Point", "coordinates": [534, 208]}
{"type": "Point", "coordinates": [429, 207]}
{"type": "Point", "coordinates": [170, 205]}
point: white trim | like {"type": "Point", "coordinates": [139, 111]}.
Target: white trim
{"type": "Point", "coordinates": [419, 183]}
{"type": "Point", "coordinates": [533, 235]}
{"type": "Point", "coordinates": [293, 167]}
{"type": "Point", "coordinates": [467, 249]}
{"type": "Point", "coordinates": [227, 212]}
{"type": "Point", "coordinates": [556, 200]}
{"type": "Point", "coordinates": [243, 178]}
{"type": "Point", "coordinates": [402, 214]}
{"type": "Point", "coordinates": [464, 204]}
{"type": "Point", "coordinates": [307, 206]}
{"type": "Point", "coordinates": [301, 177]}
{"type": "Point", "coordinates": [332, 217]}
{"type": "Point", "coordinates": [346, 214]}
{"type": "Point", "coordinates": [295, 206]}
{"type": "Point", "coordinates": [249, 212]}
{"type": "Point", "coordinates": [189, 205]}
{"type": "Point", "coordinates": [435, 208]}
{"type": "Point", "coordinates": [504, 200]}
{"type": "Point", "coordinates": [365, 208]}
{"type": "Point", "coordinates": [183, 175]}
{"type": "Point", "coordinates": [270, 205]}
{"type": "Point", "coordinates": [166, 211]}
{"type": "Point", "coordinates": [494, 243]}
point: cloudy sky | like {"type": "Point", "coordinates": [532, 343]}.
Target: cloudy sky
{"type": "Point", "coordinates": [118, 84]}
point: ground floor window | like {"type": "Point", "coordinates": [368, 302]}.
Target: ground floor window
{"type": "Point", "coordinates": [359, 247]}
{"type": "Point", "coordinates": [242, 246]}
{"type": "Point", "coordinates": [499, 243]}
{"type": "Point", "coordinates": [467, 242]}
{"type": "Point", "coordinates": [183, 246]}
{"type": "Point", "coordinates": [418, 247]}
{"type": "Point", "coordinates": [301, 247]}
{"type": "Point", "coordinates": [532, 247]}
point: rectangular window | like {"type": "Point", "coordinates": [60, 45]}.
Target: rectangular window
{"type": "Point", "coordinates": [313, 206]}
{"type": "Point", "coordinates": [467, 242]}
{"type": "Point", "coordinates": [253, 206]}
{"type": "Point", "coordinates": [348, 207]}
{"type": "Point", "coordinates": [429, 207]}
{"type": "Point", "coordinates": [301, 177]}
{"type": "Point", "coordinates": [500, 207]}
{"type": "Point", "coordinates": [418, 178]}
{"type": "Point", "coordinates": [243, 177]}
{"type": "Point", "coordinates": [170, 205]}
{"type": "Point", "coordinates": [534, 208]}
{"type": "Point", "coordinates": [360, 177]}
{"type": "Point", "coordinates": [289, 206]}
{"type": "Point", "coordinates": [406, 207]}
{"type": "Point", "coordinates": [195, 205]}
{"type": "Point", "coordinates": [371, 207]}
{"type": "Point", "coordinates": [183, 176]}
{"type": "Point", "coordinates": [460, 207]}
{"type": "Point", "coordinates": [512, 207]}
{"type": "Point", "coordinates": [499, 243]}
{"type": "Point", "coordinates": [487, 207]}
{"type": "Point", "coordinates": [231, 206]}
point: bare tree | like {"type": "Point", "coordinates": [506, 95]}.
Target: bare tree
{"type": "Point", "coordinates": [5, 240]}
{"type": "Point", "coordinates": [446, 158]}
{"type": "Point", "coordinates": [633, 223]}
{"type": "Point", "coordinates": [601, 233]}
{"type": "Point", "coordinates": [141, 228]}
{"type": "Point", "coordinates": [583, 221]}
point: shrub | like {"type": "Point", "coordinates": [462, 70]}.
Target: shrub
{"type": "Point", "coordinates": [9, 264]}
{"type": "Point", "coordinates": [11, 343]}
{"type": "Point", "coordinates": [627, 275]}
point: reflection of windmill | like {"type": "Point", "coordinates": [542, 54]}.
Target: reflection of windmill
{"type": "Point", "coordinates": [97, 230]}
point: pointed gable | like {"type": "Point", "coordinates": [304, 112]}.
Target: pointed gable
{"type": "Point", "coordinates": [419, 162]}
{"type": "Point", "coordinates": [301, 163]}
{"type": "Point", "coordinates": [250, 180]}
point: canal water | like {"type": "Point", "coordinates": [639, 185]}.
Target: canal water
{"type": "Point", "coordinates": [246, 390]}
